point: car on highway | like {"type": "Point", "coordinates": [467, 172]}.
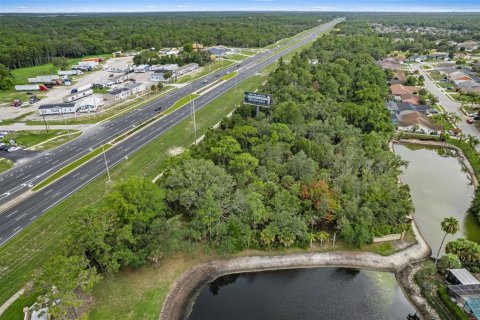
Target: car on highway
{"type": "Point", "coordinates": [217, 75]}
{"type": "Point", "coordinates": [13, 149]}
{"type": "Point", "coordinates": [205, 81]}
{"type": "Point", "coordinates": [158, 109]}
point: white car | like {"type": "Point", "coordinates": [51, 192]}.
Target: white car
{"type": "Point", "coordinates": [12, 149]}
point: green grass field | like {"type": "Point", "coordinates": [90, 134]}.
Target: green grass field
{"type": "Point", "coordinates": [27, 139]}
{"type": "Point", "coordinates": [5, 164]}
{"type": "Point", "coordinates": [72, 166]}
{"type": "Point", "coordinates": [58, 141]}
{"type": "Point", "coordinates": [236, 57]}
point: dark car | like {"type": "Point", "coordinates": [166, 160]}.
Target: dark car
{"type": "Point", "coordinates": [158, 109]}
{"type": "Point", "coordinates": [111, 75]}
{"type": "Point", "coordinates": [217, 75]}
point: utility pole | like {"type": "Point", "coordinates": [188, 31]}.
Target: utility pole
{"type": "Point", "coordinates": [106, 164]}
{"type": "Point", "coordinates": [45, 122]}
{"type": "Point", "coordinates": [194, 122]}
{"type": "Point", "coordinates": [65, 121]}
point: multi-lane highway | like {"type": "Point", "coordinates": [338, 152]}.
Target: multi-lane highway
{"type": "Point", "coordinates": [23, 177]}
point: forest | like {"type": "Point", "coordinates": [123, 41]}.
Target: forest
{"type": "Point", "coordinates": [315, 165]}
{"type": "Point", "coordinates": [29, 39]}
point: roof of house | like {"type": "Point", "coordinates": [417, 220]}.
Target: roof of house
{"type": "Point", "coordinates": [466, 290]}
{"type": "Point", "coordinates": [56, 105]}
{"type": "Point", "coordinates": [133, 85]}
{"type": "Point", "coordinates": [410, 118]}
{"type": "Point", "coordinates": [404, 106]}
{"type": "Point", "coordinates": [464, 276]}
{"type": "Point", "coordinates": [398, 89]}
{"type": "Point", "coordinates": [114, 92]}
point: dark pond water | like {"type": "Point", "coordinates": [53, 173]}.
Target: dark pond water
{"type": "Point", "coordinates": [303, 294]}
{"type": "Point", "coordinates": [440, 188]}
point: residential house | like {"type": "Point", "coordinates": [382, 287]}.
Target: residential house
{"type": "Point", "coordinates": [119, 79]}
{"type": "Point", "coordinates": [405, 93]}
{"type": "Point", "coordinates": [141, 68]}
{"type": "Point", "coordinates": [398, 77]}
{"type": "Point", "coordinates": [77, 95]}
{"type": "Point", "coordinates": [185, 69]}
{"type": "Point", "coordinates": [158, 76]}
{"type": "Point", "coordinates": [136, 87]}
{"type": "Point", "coordinates": [438, 56]}
{"type": "Point", "coordinates": [219, 51]}
{"type": "Point", "coordinates": [465, 291]}
{"type": "Point", "coordinates": [391, 63]}
{"type": "Point", "coordinates": [117, 54]}
{"type": "Point", "coordinates": [408, 120]}
{"type": "Point", "coordinates": [88, 105]}
{"type": "Point", "coordinates": [118, 94]}
{"type": "Point", "coordinates": [468, 45]}
{"type": "Point", "coordinates": [56, 109]}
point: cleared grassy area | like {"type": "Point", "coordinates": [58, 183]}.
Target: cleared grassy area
{"type": "Point", "coordinates": [72, 166]}
{"type": "Point", "coordinates": [229, 76]}
{"type": "Point", "coordinates": [22, 74]}
{"type": "Point", "coordinates": [58, 141]}
{"type": "Point", "coordinates": [112, 112]}
{"type": "Point", "coordinates": [16, 119]}
{"type": "Point", "coordinates": [16, 309]}
{"type": "Point", "coordinates": [30, 138]}
{"type": "Point", "coordinates": [5, 164]}
{"type": "Point", "coordinates": [236, 57]}
{"type": "Point", "coordinates": [183, 102]}
{"type": "Point", "coordinates": [249, 52]}
{"type": "Point", "coordinates": [206, 70]}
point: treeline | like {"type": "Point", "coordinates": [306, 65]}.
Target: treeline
{"type": "Point", "coordinates": [187, 55]}
{"type": "Point", "coordinates": [29, 40]}
{"type": "Point", "coordinates": [313, 166]}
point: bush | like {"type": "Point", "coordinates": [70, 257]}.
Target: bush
{"type": "Point", "coordinates": [451, 306]}
{"type": "Point", "coordinates": [449, 261]}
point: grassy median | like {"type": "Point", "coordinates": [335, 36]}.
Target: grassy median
{"type": "Point", "coordinates": [5, 164]}
{"type": "Point", "coordinates": [72, 166]}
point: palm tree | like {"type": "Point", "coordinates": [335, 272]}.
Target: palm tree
{"type": "Point", "coordinates": [322, 235]}
{"type": "Point", "coordinates": [473, 141]}
{"type": "Point", "coordinates": [453, 117]}
{"type": "Point", "coordinates": [310, 237]}
{"type": "Point", "coordinates": [449, 226]}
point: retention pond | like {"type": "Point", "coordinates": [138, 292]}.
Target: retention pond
{"type": "Point", "coordinates": [303, 294]}
{"type": "Point", "coordinates": [440, 188]}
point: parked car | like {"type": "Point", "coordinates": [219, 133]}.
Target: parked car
{"type": "Point", "coordinates": [433, 111]}
{"type": "Point", "coordinates": [470, 120]}
{"type": "Point", "coordinates": [111, 75]}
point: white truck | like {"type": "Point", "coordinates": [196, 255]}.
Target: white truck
{"type": "Point", "coordinates": [27, 87]}
{"type": "Point", "coordinates": [82, 88]}
{"type": "Point", "coordinates": [69, 72]}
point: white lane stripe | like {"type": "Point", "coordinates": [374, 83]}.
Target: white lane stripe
{"type": "Point", "coordinates": [11, 214]}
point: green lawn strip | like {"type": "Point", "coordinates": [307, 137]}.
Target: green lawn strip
{"type": "Point", "coordinates": [58, 141]}
{"type": "Point", "coordinates": [16, 119]}
{"type": "Point", "coordinates": [5, 164]}
{"type": "Point", "coordinates": [72, 166]}
{"type": "Point", "coordinates": [229, 75]}
{"type": "Point", "coordinates": [183, 101]}
{"type": "Point", "coordinates": [249, 52]}
{"type": "Point", "coordinates": [212, 67]}
{"type": "Point", "coordinates": [15, 311]}
{"type": "Point", "coordinates": [29, 138]}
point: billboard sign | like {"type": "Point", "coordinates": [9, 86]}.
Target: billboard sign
{"type": "Point", "coordinates": [257, 99]}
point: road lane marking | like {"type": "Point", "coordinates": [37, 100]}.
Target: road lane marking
{"type": "Point", "coordinates": [11, 214]}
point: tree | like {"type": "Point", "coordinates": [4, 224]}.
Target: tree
{"type": "Point", "coordinates": [7, 80]}
{"type": "Point", "coordinates": [188, 47]}
{"type": "Point", "coordinates": [475, 205]}
{"type": "Point", "coordinates": [410, 81]}
{"type": "Point", "coordinates": [467, 251]}
{"type": "Point", "coordinates": [153, 88]}
{"type": "Point", "coordinates": [449, 261]}
{"type": "Point", "coordinates": [449, 226]}
{"type": "Point", "coordinates": [473, 141]}
{"type": "Point", "coordinates": [61, 282]}
{"type": "Point", "coordinates": [323, 236]}
{"type": "Point", "coordinates": [60, 62]}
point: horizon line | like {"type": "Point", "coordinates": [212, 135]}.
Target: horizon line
{"type": "Point", "coordinates": [252, 10]}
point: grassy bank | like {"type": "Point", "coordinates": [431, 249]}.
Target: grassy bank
{"type": "Point", "coordinates": [206, 70]}
{"type": "Point", "coordinates": [229, 76]}
{"type": "Point", "coordinates": [57, 141]}
{"type": "Point", "coordinates": [5, 164]}
{"type": "Point", "coordinates": [183, 101]}
{"type": "Point", "coordinates": [469, 152]}
{"type": "Point", "coordinates": [72, 166]}
{"type": "Point", "coordinates": [30, 138]}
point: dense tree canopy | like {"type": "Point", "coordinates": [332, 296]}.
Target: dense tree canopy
{"type": "Point", "coordinates": [31, 39]}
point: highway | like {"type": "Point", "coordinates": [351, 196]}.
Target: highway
{"type": "Point", "coordinates": [20, 179]}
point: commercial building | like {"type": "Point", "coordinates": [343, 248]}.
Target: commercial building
{"type": "Point", "coordinates": [56, 109]}
{"type": "Point", "coordinates": [118, 94]}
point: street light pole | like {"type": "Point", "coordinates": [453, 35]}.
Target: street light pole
{"type": "Point", "coordinates": [106, 164]}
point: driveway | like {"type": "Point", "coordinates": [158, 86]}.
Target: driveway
{"type": "Point", "coordinates": [448, 104]}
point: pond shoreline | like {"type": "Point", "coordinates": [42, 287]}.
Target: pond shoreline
{"type": "Point", "coordinates": [182, 293]}
{"type": "Point", "coordinates": [461, 156]}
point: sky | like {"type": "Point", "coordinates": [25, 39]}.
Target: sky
{"type": "Point", "coordinates": [45, 6]}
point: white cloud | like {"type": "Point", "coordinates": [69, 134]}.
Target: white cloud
{"type": "Point", "coordinates": [183, 6]}
{"type": "Point", "coordinates": [152, 7]}
{"type": "Point", "coordinates": [22, 7]}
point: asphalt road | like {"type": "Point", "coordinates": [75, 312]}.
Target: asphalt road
{"type": "Point", "coordinates": [448, 104]}
{"type": "Point", "coordinates": [19, 180]}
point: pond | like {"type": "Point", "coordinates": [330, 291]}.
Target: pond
{"type": "Point", "coordinates": [303, 294]}
{"type": "Point", "coordinates": [440, 187]}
